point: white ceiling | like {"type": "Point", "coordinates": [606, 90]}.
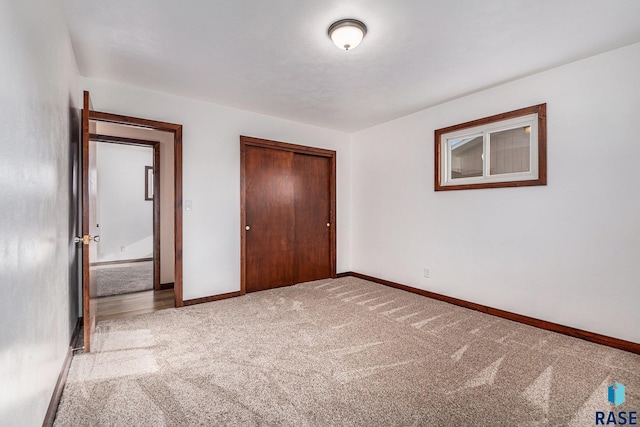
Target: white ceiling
{"type": "Point", "coordinates": [274, 57]}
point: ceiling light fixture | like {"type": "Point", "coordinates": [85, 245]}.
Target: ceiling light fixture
{"type": "Point", "coordinates": [347, 33]}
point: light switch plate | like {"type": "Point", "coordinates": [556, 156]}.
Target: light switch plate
{"type": "Point", "coordinates": [188, 206]}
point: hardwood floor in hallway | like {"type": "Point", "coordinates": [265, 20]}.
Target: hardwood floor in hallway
{"type": "Point", "coordinates": [117, 306]}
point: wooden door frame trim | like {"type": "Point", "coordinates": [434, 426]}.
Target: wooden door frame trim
{"type": "Point", "coordinates": [134, 142]}
{"type": "Point", "coordinates": [157, 198]}
{"type": "Point", "coordinates": [176, 129]}
{"type": "Point", "coordinates": [121, 140]}
{"type": "Point", "coordinates": [248, 141]}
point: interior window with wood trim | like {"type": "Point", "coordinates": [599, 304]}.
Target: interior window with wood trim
{"type": "Point", "coordinates": [505, 150]}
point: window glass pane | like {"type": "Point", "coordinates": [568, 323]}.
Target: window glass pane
{"type": "Point", "coordinates": [510, 151]}
{"type": "Point", "coordinates": [466, 157]}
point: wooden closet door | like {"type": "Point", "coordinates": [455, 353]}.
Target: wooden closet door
{"type": "Point", "coordinates": [288, 203]}
{"type": "Point", "coordinates": [270, 226]}
{"type": "Point", "coordinates": [312, 209]}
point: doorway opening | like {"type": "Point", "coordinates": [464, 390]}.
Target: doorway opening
{"type": "Point", "coordinates": [135, 205]}
{"type": "Point", "coordinates": [126, 218]}
{"type": "Point", "coordinates": [135, 257]}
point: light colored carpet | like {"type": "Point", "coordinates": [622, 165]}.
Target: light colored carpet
{"type": "Point", "coordinates": [339, 352]}
{"type": "Point", "coordinates": [124, 278]}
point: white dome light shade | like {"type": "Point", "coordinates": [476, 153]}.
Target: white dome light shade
{"type": "Point", "coordinates": [347, 33]}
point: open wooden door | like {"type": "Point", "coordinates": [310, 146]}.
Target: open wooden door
{"type": "Point", "coordinates": [89, 227]}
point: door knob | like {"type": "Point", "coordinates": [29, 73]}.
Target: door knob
{"type": "Point", "coordinates": [247, 228]}
{"type": "Point", "coordinates": [86, 239]}
{"type": "Point", "coordinates": [328, 224]}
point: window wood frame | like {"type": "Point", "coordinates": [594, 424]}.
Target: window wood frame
{"type": "Point", "coordinates": [439, 158]}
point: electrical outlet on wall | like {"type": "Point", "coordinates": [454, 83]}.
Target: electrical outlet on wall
{"type": "Point", "coordinates": [123, 249]}
{"type": "Point", "coordinates": [427, 272]}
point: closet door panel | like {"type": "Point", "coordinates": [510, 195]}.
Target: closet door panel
{"type": "Point", "coordinates": [270, 237]}
{"type": "Point", "coordinates": [312, 208]}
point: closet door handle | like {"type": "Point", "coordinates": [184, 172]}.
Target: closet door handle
{"type": "Point", "coordinates": [247, 228]}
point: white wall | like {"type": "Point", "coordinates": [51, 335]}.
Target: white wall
{"type": "Point", "coordinates": [211, 175]}
{"type": "Point", "coordinates": [124, 216]}
{"type": "Point", "coordinates": [38, 264]}
{"type": "Point", "coordinates": [167, 208]}
{"type": "Point", "coordinates": [567, 252]}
